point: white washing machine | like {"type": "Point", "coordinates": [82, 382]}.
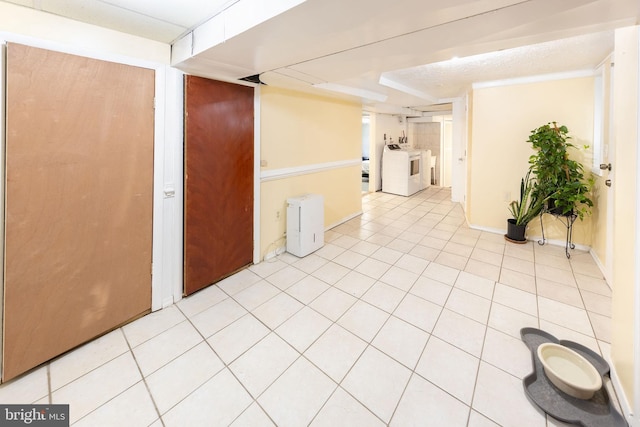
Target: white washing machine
{"type": "Point", "coordinates": [401, 170]}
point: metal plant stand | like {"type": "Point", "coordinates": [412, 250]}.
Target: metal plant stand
{"type": "Point", "coordinates": [567, 221]}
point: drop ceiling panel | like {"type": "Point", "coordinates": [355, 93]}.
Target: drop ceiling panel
{"type": "Point", "coordinates": [185, 13]}
{"type": "Point", "coordinates": [113, 17]}
{"type": "Point", "coordinates": [434, 44]}
{"type": "Point", "coordinates": [318, 28]}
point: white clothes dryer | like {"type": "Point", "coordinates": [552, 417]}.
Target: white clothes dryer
{"type": "Point", "coordinates": [401, 170]}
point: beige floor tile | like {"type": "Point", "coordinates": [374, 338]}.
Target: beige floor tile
{"type": "Point", "coordinates": [509, 320]}
{"type": "Point", "coordinates": [238, 337]}
{"type": "Point", "coordinates": [365, 248]}
{"type": "Point", "coordinates": [596, 303]}
{"type": "Point", "coordinates": [424, 252]}
{"type": "Point", "coordinates": [507, 353]}
{"type": "Point", "coordinates": [364, 320]}
{"type": "Point", "coordinates": [160, 350]}
{"type": "Point", "coordinates": [373, 268]}
{"type": "Point", "coordinates": [333, 303]}
{"type": "Point", "coordinates": [478, 420]}
{"type": "Point", "coordinates": [267, 268]}
{"type": "Point", "coordinates": [563, 333]}
{"type": "Point", "coordinates": [355, 283]}
{"type": "Point", "coordinates": [451, 260]}
{"type": "Point", "coordinates": [419, 312]}
{"type": "Point", "coordinates": [179, 378]}
{"type": "Point", "coordinates": [86, 358]}
{"type": "Point", "coordinates": [304, 388]}
{"type": "Point", "coordinates": [132, 407]}
{"type": "Point", "coordinates": [98, 386]}
{"type": "Point", "coordinates": [458, 249]}
{"type": "Point", "coordinates": [499, 397]}
{"type": "Point", "coordinates": [399, 278]}
{"type": "Point", "coordinates": [387, 255]}
{"type": "Point", "coordinates": [253, 416]}
{"type": "Point", "coordinates": [586, 266]}
{"type": "Point", "coordinates": [441, 273]}
{"type": "Point", "coordinates": [475, 284]}
{"type": "Point", "coordinates": [491, 246]}
{"type": "Point", "coordinates": [213, 319]}
{"type": "Point", "coordinates": [487, 256]}
{"type": "Point", "coordinates": [556, 261]}
{"type": "Point", "coordinates": [431, 290]}
{"type": "Point", "coordinates": [239, 281]}
{"type": "Point", "coordinates": [384, 296]}
{"type": "Point", "coordinates": [516, 298]}
{"type": "Point", "coordinates": [561, 293]}
{"type": "Point", "coordinates": [330, 273]}
{"type": "Point", "coordinates": [307, 289]}
{"type": "Point", "coordinates": [523, 252]}
{"type": "Point", "coordinates": [483, 269]}
{"type": "Point", "coordinates": [520, 265]}
{"type": "Point", "coordinates": [336, 351]}
{"type": "Point", "coordinates": [278, 309]}
{"type": "Point", "coordinates": [349, 259]}
{"type": "Point", "coordinates": [401, 245]}
{"type": "Point", "coordinates": [329, 251]}
{"type": "Point", "coordinates": [263, 363]}
{"type": "Point", "coordinates": [460, 331]}
{"type": "Point", "coordinates": [564, 277]}
{"type": "Point", "coordinates": [402, 341]}
{"type": "Point", "coordinates": [592, 284]}
{"type": "Point", "coordinates": [469, 305]}
{"type": "Point", "coordinates": [518, 280]}
{"type": "Point", "coordinates": [217, 402]}
{"type": "Point", "coordinates": [345, 242]}
{"type": "Point", "coordinates": [256, 294]}
{"type": "Point", "coordinates": [433, 242]}
{"type": "Point", "coordinates": [565, 315]}
{"type": "Point", "coordinates": [601, 326]}
{"type": "Point", "coordinates": [412, 263]}
{"type": "Point", "coordinates": [27, 388]}
{"type": "Point", "coordinates": [377, 381]}
{"type": "Point", "coordinates": [450, 368]}
{"type": "Point", "coordinates": [190, 306]}
{"type": "Point", "coordinates": [424, 401]}
{"type": "Point", "coordinates": [343, 409]}
{"type": "Point", "coordinates": [303, 328]}
{"type": "Point", "coordinates": [308, 265]}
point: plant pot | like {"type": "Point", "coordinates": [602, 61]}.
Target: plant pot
{"type": "Point", "coordinates": [554, 210]}
{"type": "Point", "coordinates": [515, 232]}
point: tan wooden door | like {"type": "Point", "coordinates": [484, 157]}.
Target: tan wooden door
{"type": "Point", "coordinates": [218, 181]}
{"type": "Point", "coordinates": [79, 173]}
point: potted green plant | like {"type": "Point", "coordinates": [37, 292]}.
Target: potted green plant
{"type": "Point", "coordinates": [524, 210]}
{"type": "Point", "coordinates": [559, 179]}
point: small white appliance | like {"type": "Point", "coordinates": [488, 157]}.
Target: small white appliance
{"type": "Point", "coordinates": [305, 224]}
{"type": "Point", "coordinates": [401, 170]}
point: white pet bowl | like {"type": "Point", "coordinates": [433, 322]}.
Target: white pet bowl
{"type": "Point", "coordinates": [569, 371]}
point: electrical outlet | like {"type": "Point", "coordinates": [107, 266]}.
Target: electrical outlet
{"type": "Point", "coordinates": [277, 215]}
{"type": "Point", "coordinates": [507, 196]}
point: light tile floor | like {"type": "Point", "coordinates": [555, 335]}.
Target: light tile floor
{"type": "Point", "coordinates": [405, 317]}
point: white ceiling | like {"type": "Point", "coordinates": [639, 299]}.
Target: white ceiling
{"type": "Point", "coordinates": [386, 53]}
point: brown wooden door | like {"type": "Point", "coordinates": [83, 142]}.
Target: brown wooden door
{"type": "Point", "coordinates": [79, 200]}
{"type": "Point", "coordinates": [218, 181]}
